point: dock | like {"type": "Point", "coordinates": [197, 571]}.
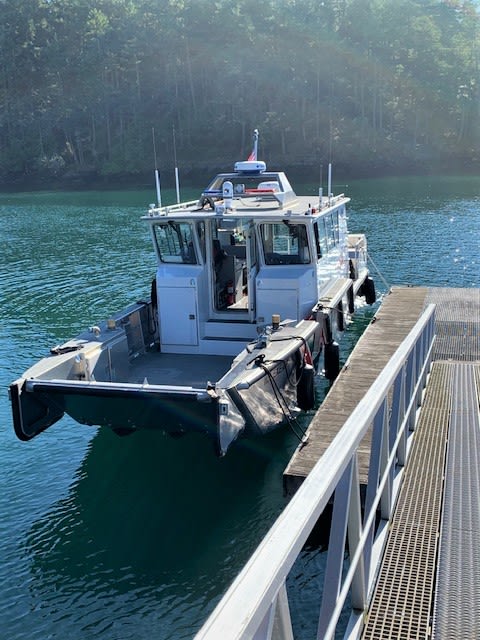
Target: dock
{"type": "Point", "coordinates": [429, 579]}
{"type": "Point", "coordinates": [458, 336]}
{"type": "Point", "coordinates": [395, 449]}
{"type": "Point", "coordinates": [431, 561]}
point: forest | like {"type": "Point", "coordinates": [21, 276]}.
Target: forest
{"type": "Point", "coordinates": [101, 92]}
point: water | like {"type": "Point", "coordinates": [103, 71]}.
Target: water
{"type": "Point", "coordinates": [134, 538]}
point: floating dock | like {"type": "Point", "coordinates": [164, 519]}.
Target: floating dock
{"type": "Point", "coordinates": [428, 582]}
{"type": "Point", "coordinates": [458, 337]}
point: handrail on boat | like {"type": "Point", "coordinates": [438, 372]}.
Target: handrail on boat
{"type": "Point", "coordinates": [256, 604]}
{"type": "Point", "coordinates": [171, 208]}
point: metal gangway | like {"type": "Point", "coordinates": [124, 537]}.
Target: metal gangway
{"type": "Point", "coordinates": [256, 605]}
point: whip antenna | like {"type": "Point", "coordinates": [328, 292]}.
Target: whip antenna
{"type": "Point", "coordinates": [177, 184]}
{"type": "Point", "coordinates": [157, 174]}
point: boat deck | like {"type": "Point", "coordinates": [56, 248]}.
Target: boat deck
{"type": "Point", "coordinates": [257, 205]}
{"type": "Point", "coordinates": [178, 369]}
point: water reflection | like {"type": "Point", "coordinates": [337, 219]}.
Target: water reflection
{"type": "Point", "coordinates": [151, 526]}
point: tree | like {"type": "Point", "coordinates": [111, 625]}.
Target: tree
{"type": "Point", "coordinates": [383, 83]}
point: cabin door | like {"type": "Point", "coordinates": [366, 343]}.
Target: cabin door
{"type": "Point", "coordinates": [233, 260]}
{"type": "Point", "coordinates": [178, 314]}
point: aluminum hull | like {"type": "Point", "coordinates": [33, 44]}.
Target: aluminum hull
{"type": "Point", "coordinates": [216, 395]}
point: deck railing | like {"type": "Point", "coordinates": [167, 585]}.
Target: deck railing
{"type": "Point", "coordinates": [256, 605]}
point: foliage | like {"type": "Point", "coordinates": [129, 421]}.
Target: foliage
{"type": "Point", "coordinates": [371, 84]}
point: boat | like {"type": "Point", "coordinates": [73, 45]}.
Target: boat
{"type": "Point", "coordinates": [254, 285]}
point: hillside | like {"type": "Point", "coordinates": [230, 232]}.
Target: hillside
{"type": "Point", "coordinates": [377, 86]}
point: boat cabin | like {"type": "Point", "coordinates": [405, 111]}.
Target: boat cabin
{"type": "Point", "coordinates": [247, 249]}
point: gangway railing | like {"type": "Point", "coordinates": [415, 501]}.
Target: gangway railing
{"type": "Point", "coordinates": [256, 605]}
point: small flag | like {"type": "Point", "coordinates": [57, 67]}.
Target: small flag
{"type": "Point", "coordinates": [253, 156]}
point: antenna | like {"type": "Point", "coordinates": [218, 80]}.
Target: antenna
{"type": "Point", "coordinates": [320, 188]}
{"type": "Point", "coordinates": [177, 184]}
{"type": "Point", "coordinates": [330, 194]}
{"type": "Point", "coordinates": [157, 175]}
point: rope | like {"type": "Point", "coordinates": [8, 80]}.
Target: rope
{"type": "Point", "coordinates": [291, 420]}
{"type": "Point", "coordinates": [260, 361]}
{"type": "Point", "coordinates": [369, 257]}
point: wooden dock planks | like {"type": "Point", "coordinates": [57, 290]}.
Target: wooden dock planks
{"type": "Point", "coordinates": [457, 321]}
{"type": "Point", "coordinates": [396, 316]}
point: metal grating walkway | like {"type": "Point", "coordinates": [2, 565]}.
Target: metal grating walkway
{"type": "Point", "coordinates": [457, 323]}
{"type": "Point", "coordinates": [457, 600]}
{"type": "Point", "coordinates": [429, 580]}
{"type": "Point", "coordinates": [402, 600]}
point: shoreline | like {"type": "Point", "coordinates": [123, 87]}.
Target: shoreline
{"type": "Point", "coordinates": [192, 176]}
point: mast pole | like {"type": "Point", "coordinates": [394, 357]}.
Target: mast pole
{"type": "Point", "coordinates": [157, 174]}
{"type": "Point", "coordinates": [330, 194]}
{"type": "Point", "coordinates": [177, 183]}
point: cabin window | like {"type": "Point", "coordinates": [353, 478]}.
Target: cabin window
{"type": "Point", "coordinates": [320, 238]}
{"type": "Point", "coordinates": [285, 243]}
{"type": "Point", "coordinates": [175, 242]}
{"type": "Point", "coordinates": [329, 231]}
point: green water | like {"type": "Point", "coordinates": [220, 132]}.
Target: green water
{"type": "Point", "coordinates": [135, 538]}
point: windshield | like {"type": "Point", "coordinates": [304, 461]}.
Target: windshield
{"type": "Point", "coordinates": [175, 242]}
